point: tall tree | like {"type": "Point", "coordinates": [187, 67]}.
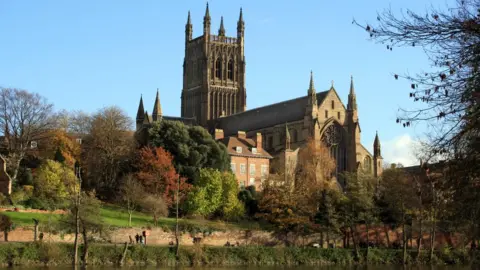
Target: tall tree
{"type": "Point", "coordinates": [157, 173]}
{"type": "Point", "coordinates": [107, 150]}
{"type": "Point", "coordinates": [450, 91]}
{"type": "Point", "coordinates": [206, 195]}
{"type": "Point", "coordinates": [24, 117]}
{"type": "Point", "coordinates": [192, 148]}
{"type": "Point", "coordinates": [232, 208]}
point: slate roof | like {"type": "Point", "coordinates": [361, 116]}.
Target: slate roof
{"type": "Point", "coordinates": [267, 116]}
{"type": "Point", "coordinates": [187, 121]}
{"type": "Point", "coordinates": [232, 142]}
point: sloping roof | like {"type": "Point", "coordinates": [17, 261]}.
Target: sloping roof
{"type": "Point", "coordinates": [187, 121]}
{"type": "Point", "coordinates": [232, 142]}
{"type": "Point", "coordinates": [267, 116]}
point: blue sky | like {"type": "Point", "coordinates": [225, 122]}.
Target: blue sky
{"type": "Point", "coordinates": [84, 55]}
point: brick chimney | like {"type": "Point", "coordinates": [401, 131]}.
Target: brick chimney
{"type": "Point", "coordinates": [218, 134]}
{"type": "Point", "coordinates": [258, 140]}
{"type": "Point", "coordinates": [242, 135]}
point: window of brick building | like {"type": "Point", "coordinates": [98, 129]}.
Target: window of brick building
{"type": "Point", "coordinates": [242, 168]}
{"type": "Point", "coordinates": [252, 169]}
{"type": "Point", "coordinates": [252, 181]}
{"type": "Point", "coordinates": [234, 167]}
{"type": "Point", "coordinates": [264, 171]}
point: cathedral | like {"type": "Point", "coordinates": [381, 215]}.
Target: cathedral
{"type": "Point", "coordinates": [214, 96]}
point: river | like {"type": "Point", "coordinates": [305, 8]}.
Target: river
{"type": "Point", "coordinates": [370, 267]}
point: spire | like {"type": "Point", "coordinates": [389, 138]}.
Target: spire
{"type": "Point", "coordinates": [206, 18]}
{"type": "Point", "coordinates": [287, 137]}
{"type": "Point", "coordinates": [140, 112]}
{"type": "Point", "coordinates": [352, 99]}
{"type": "Point", "coordinates": [157, 108]}
{"type": "Point", "coordinates": [188, 28]}
{"type": "Point", "coordinates": [311, 89]}
{"type": "Point", "coordinates": [376, 146]}
{"type": "Point", "coordinates": [240, 24]}
{"type": "Point", "coordinates": [221, 31]}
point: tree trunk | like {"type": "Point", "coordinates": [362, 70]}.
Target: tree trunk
{"type": "Point", "coordinates": [355, 244]}
{"type": "Point", "coordinates": [129, 218]}
{"type": "Point", "coordinates": [404, 234]}
{"type": "Point", "coordinates": [432, 235]}
{"type": "Point", "coordinates": [75, 243]}
{"type": "Point", "coordinates": [85, 246]}
{"type": "Point", "coordinates": [419, 238]}
{"type": "Point", "coordinates": [328, 240]}
{"type": "Point", "coordinates": [35, 230]}
{"type": "Point", "coordinates": [177, 242]}
{"type": "Point", "coordinates": [5, 235]}
{"type": "Point", "coordinates": [387, 235]}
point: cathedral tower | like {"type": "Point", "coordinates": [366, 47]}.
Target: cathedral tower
{"type": "Point", "coordinates": [213, 72]}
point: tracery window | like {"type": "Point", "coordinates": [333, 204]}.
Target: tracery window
{"type": "Point", "coordinates": [367, 164]}
{"type": "Point", "coordinates": [230, 70]}
{"type": "Point", "coordinates": [332, 138]}
{"type": "Point", "coordinates": [218, 69]}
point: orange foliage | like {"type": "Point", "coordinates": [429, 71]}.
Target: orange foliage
{"type": "Point", "coordinates": [316, 163]}
{"type": "Point", "coordinates": [158, 175]}
{"type": "Point", "coordinates": [58, 139]}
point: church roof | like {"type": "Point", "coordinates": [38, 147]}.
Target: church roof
{"type": "Point", "coordinates": [187, 121]}
{"type": "Point", "coordinates": [267, 116]}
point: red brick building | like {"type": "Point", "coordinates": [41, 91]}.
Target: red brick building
{"type": "Point", "coordinates": [249, 161]}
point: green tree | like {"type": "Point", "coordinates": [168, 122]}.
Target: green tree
{"type": "Point", "coordinates": [232, 208]}
{"type": "Point", "coordinates": [192, 148]}
{"type": "Point", "coordinates": [55, 183]}
{"type": "Point", "coordinates": [357, 205]}
{"type": "Point", "coordinates": [249, 198]}
{"type": "Point", "coordinates": [59, 156]}
{"type": "Point", "coordinates": [207, 193]}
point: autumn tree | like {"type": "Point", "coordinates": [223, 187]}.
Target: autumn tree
{"type": "Point", "coordinates": [192, 148]}
{"type": "Point", "coordinates": [59, 143]}
{"type": "Point", "coordinates": [231, 207]}
{"type": "Point", "coordinates": [317, 164]}
{"type": "Point", "coordinates": [154, 205]}
{"type": "Point", "coordinates": [54, 183]}
{"type": "Point", "coordinates": [107, 150]}
{"type": "Point", "coordinates": [132, 193]}
{"type": "Point", "coordinates": [24, 117]}
{"type": "Point", "coordinates": [158, 175]}
{"type": "Point", "coordinates": [206, 195]}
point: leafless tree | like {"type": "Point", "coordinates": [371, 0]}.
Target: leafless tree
{"type": "Point", "coordinates": [132, 193]}
{"type": "Point", "coordinates": [24, 117]}
{"type": "Point", "coordinates": [450, 91]}
{"type": "Point", "coordinates": [107, 149]}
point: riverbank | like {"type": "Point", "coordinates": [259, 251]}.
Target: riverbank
{"type": "Point", "coordinates": [101, 254]}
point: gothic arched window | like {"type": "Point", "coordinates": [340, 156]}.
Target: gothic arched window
{"type": "Point", "coordinates": [230, 70]}
{"type": "Point", "coordinates": [333, 104]}
{"type": "Point", "coordinates": [218, 68]}
{"type": "Point", "coordinates": [367, 164]}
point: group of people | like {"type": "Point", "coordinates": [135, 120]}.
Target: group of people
{"type": "Point", "coordinates": [140, 239]}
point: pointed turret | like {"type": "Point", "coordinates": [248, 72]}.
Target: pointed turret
{"type": "Point", "coordinates": [377, 157]}
{"type": "Point", "coordinates": [206, 18]}
{"type": "Point", "coordinates": [188, 28]}
{"type": "Point", "coordinates": [352, 98]}
{"type": "Point", "coordinates": [157, 108]}
{"type": "Point", "coordinates": [287, 137]}
{"type": "Point", "coordinates": [221, 31]}
{"type": "Point", "coordinates": [376, 146]}
{"type": "Point", "coordinates": [240, 25]}
{"type": "Point", "coordinates": [312, 93]}
{"type": "Point", "coordinates": [140, 112]}
{"type": "Point", "coordinates": [146, 118]}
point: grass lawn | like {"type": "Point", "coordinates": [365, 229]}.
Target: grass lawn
{"type": "Point", "coordinates": [117, 217]}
